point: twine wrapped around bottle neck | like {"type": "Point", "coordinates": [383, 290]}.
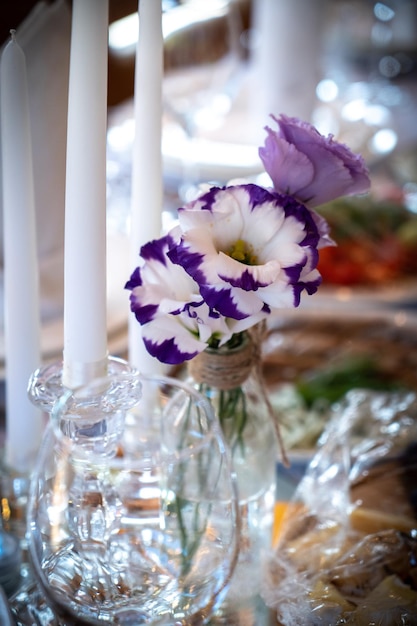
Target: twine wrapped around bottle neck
{"type": "Point", "coordinates": [227, 369]}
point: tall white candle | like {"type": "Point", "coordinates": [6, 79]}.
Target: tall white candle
{"type": "Point", "coordinates": [21, 281]}
{"type": "Point", "coordinates": [147, 180]}
{"type": "Point", "coordinates": [286, 58]}
{"type": "Point", "coordinates": [85, 318]}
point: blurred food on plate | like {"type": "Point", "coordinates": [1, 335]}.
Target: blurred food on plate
{"type": "Point", "coordinates": [312, 361]}
{"type": "Point", "coordinates": [376, 242]}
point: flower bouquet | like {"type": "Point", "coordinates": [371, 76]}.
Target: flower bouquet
{"type": "Point", "coordinates": [239, 255]}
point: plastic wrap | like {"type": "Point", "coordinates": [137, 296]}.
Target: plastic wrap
{"type": "Point", "coordinates": [346, 551]}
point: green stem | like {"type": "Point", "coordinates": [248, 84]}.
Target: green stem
{"type": "Point", "coordinates": [190, 541]}
{"type": "Point", "coordinates": [231, 411]}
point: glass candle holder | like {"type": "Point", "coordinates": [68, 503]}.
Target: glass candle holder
{"type": "Point", "coordinates": [133, 515]}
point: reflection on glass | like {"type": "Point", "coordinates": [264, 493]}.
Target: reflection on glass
{"type": "Point", "coordinates": [133, 515]}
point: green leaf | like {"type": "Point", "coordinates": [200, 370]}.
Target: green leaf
{"type": "Point", "coordinates": [333, 382]}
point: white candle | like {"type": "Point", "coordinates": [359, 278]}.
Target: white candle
{"type": "Point", "coordinates": [147, 180]}
{"type": "Point", "coordinates": [286, 58]}
{"type": "Point", "coordinates": [21, 281]}
{"type": "Point", "coordinates": [85, 318]}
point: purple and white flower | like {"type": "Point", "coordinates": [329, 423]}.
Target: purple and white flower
{"type": "Point", "coordinates": [314, 169]}
{"type": "Point", "coordinates": [176, 322]}
{"type": "Point", "coordinates": [251, 251]}
{"type": "Point", "coordinates": [241, 253]}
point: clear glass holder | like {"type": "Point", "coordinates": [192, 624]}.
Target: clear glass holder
{"type": "Point", "coordinates": [45, 388]}
{"type": "Point", "coordinates": [45, 384]}
{"type": "Point", "coordinates": [132, 509]}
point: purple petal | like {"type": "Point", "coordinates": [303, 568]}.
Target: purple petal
{"type": "Point", "coordinates": [135, 279]}
{"type": "Point", "coordinates": [191, 261]}
{"type": "Point", "coordinates": [145, 313]}
{"type": "Point", "coordinates": [168, 351]}
{"type": "Point", "coordinates": [231, 302]}
{"type": "Point", "coordinates": [297, 148]}
{"type": "Point", "coordinates": [288, 168]}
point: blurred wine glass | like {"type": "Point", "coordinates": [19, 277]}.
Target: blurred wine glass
{"type": "Point", "coordinates": [203, 69]}
{"type": "Point", "coordinates": [133, 513]}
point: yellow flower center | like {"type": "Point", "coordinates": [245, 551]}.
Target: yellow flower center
{"type": "Point", "coordinates": [243, 252]}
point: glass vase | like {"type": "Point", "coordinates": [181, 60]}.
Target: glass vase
{"type": "Point", "coordinates": [133, 515]}
{"type": "Point", "coordinates": [230, 378]}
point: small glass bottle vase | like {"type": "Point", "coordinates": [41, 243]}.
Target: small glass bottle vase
{"type": "Point", "coordinates": [230, 377]}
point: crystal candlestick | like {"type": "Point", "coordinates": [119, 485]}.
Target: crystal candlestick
{"type": "Point", "coordinates": [132, 515]}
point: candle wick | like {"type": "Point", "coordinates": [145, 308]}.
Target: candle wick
{"type": "Point", "coordinates": [13, 34]}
